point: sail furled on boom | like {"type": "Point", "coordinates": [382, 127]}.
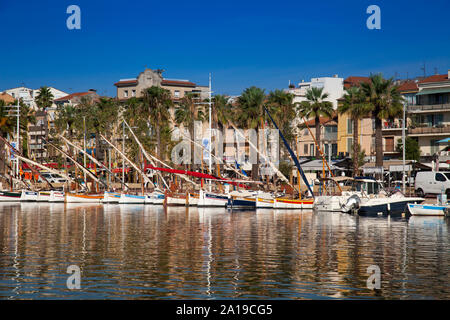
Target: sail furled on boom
{"type": "Point", "coordinates": [297, 164]}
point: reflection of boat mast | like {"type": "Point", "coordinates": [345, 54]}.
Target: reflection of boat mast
{"type": "Point", "coordinates": [208, 292]}
{"type": "Point", "coordinates": [16, 252]}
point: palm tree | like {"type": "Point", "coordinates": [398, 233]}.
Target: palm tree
{"type": "Point", "coordinates": [221, 111]}
{"type": "Point", "coordinates": [251, 114]}
{"type": "Point", "coordinates": [6, 122]}
{"type": "Point", "coordinates": [315, 107]}
{"type": "Point", "coordinates": [385, 102]}
{"type": "Point", "coordinates": [65, 119]}
{"type": "Point", "coordinates": [354, 104]}
{"type": "Point", "coordinates": [158, 102]}
{"type": "Point", "coordinates": [44, 98]}
{"type": "Point", "coordinates": [186, 113]}
{"type": "Point", "coordinates": [283, 106]}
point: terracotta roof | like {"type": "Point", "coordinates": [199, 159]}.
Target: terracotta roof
{"type": "Point", "coordinates": [7, 98]}
{"type": "Point", "coordinates": [355, 81]}
{"type": "Point", "coordinates": [177, 83]}
{"type": "Point", "coordinates": [126, 82]}
{"type": "Point", "coordinates": [435, 78]}
{"type": "Point", "coordinates": [73, 95]}
{"type": "Point", "coordinates": [408, 86]}
{"type": "Point", "coordinates": [322, 120]}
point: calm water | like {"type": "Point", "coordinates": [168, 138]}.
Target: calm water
{"type": "Point", "coordinates": [143, 252]}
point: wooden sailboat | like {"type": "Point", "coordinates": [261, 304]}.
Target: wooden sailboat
{"type": "Point", "coordinates": [7, 196]}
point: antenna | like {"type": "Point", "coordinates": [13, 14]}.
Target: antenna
{"type": "Point", "coordinates": [436, 70]}
{"type": "Point", "coordinates": [424, 68]}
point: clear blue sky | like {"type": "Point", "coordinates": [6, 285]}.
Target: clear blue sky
{"type": "Point", "coordinates": [243, 43]}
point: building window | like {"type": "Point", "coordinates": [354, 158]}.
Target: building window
{"type": "Point", "coordinates": [125, 93]}
{"type": "Point", "coordinates": [311, 149]}
{"type": "Point", "coordinates": [389, 144]}
{"type": "Point", "coordinates": [177, 93]}
{"type": "Point", "coordinates": [305, 149]}
{"type": "Point", "coordinates": [133, 93]}
{"type": "Point", "coordinates": [349, 126]}
{"type": "Point", "coordinates": [349, 145]}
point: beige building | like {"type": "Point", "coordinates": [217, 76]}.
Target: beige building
{"type": "Point", "coordinates": [128, 88]}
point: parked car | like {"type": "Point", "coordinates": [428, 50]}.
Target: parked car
{"type": "Point", "coordinates": [52, 178]}
{"type": "Point", "coordinates": [431, 182]}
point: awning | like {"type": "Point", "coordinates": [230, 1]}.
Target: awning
{"type": "Point", "coordinates": [446, 140]}
{"type": "Point", "coordinates": [433, 91]}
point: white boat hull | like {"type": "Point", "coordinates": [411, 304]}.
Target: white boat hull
{"type": "Point", "coordinates": [111, 197]}
{"type": "Point", "coordinates": [29, 196]}
{"type": "Point", "coordinates": [78, 198]}
{"type": "Point", "coordinates": [174, 201]}
{"type": "Point", "coordinates": [6, 196]}
{"type": "Point", "coordinates": [131, 199]}
{"type": "Point", "coordinates": [293, 204]}
{"type": "Point", "coordinates": [209, 199]}
{"type": "Point", "coordinates": [427, 209]}
{"type": "Point", "coordinates": [264, 203]}
{"type": "Point", "coordinates": [44, 196]}
{"type": "Point", "coordinates": [56, 196]}
{"type": "Point", "coordinates": [330, 203]}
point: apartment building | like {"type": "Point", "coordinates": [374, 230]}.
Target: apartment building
{"type": "Point", "coordinates": [29, 95]}
{"type": "Point", "coordinates": [429, 116]}
{"type": "Point", "coordinates": [328, 138]}
{"type": "Point", "coordinates": [366, 132]}
{"type": "Point", "coordinates": [334, 86]}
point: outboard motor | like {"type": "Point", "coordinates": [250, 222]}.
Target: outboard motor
{"type": "Point", "coordinates": [352, 203]}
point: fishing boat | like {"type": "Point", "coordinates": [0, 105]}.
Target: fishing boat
{"type": "Point", "coordinates": [284, 203]}
{"type": "Point", "coordinates": [131, 198]}
{"type": "Point", "coordinates": [156, 197]}
{"type": "Point", "coordinates": [264, 203]}
{"type": "Point", "coordinates": [210, 199]}
{"type": "Point", "coordinates": [43, 196]}
{"type": "Point", "coordinates": [28, 196]}
{"type": "Point", "coordinates": [177, 199]}
{"type": "Point", "coordinates": [241, 203]}
{"type": "Point", "coordinates": [56, 196]}
{"type": "Point", "coordinates": [83, 198]}
{"type": "Point", "coordinates": [428, 209]}
{"type": "Point", "coordinates": [111, 197]}
{"type": "Point", "coordinates": [193, 199]}
{"type": "Point", "coordinates": [7, 196]}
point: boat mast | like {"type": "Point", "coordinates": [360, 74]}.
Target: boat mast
{"type": "Point", "coordinates": [123, 152]}
{"type": "Point", "coordinates": [84, 147]}
{"type": "Point", "coordinates": [210, 142]}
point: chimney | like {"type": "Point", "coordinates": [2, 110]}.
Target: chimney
{"type": "Point", "coordinates": [448, 74]}
{"type": "Point", "coordinates": [335, 76]}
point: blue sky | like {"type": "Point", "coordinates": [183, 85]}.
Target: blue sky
{"type": "Point", "coordinates": [243, 43]}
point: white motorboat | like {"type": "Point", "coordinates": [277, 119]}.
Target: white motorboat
{"type": "Point", "coordinates": [428, 209]}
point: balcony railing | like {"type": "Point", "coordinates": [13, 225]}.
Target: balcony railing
{"type": "Point", "coordinates": [429, 130]}
{"type": "Point", "coordinates": [429, 107]}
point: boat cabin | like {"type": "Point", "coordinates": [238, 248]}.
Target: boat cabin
{"type": "Point", "coordinates": [366, 185]}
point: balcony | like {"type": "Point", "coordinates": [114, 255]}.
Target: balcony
{"type": "Point", "coordinates": [429, 108]}
{"type": "Point", "coordinates": [391, 127]}
{"type": "Point", "coordinates": [436, 130]}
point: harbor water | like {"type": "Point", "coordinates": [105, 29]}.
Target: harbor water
{"type": "Point", "coordinates": [146, 252]}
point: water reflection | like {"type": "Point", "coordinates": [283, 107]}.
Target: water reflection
{"type": "Point", "coordinates": [142, 251]}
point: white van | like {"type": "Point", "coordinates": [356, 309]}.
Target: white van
{"type": "Point", "coordinates": [432, 182]}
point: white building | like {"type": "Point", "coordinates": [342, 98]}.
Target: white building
{"type": "Point", "coordinates": [29, 95]}
{"type": "Point", "coordinates": [334, 86]}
